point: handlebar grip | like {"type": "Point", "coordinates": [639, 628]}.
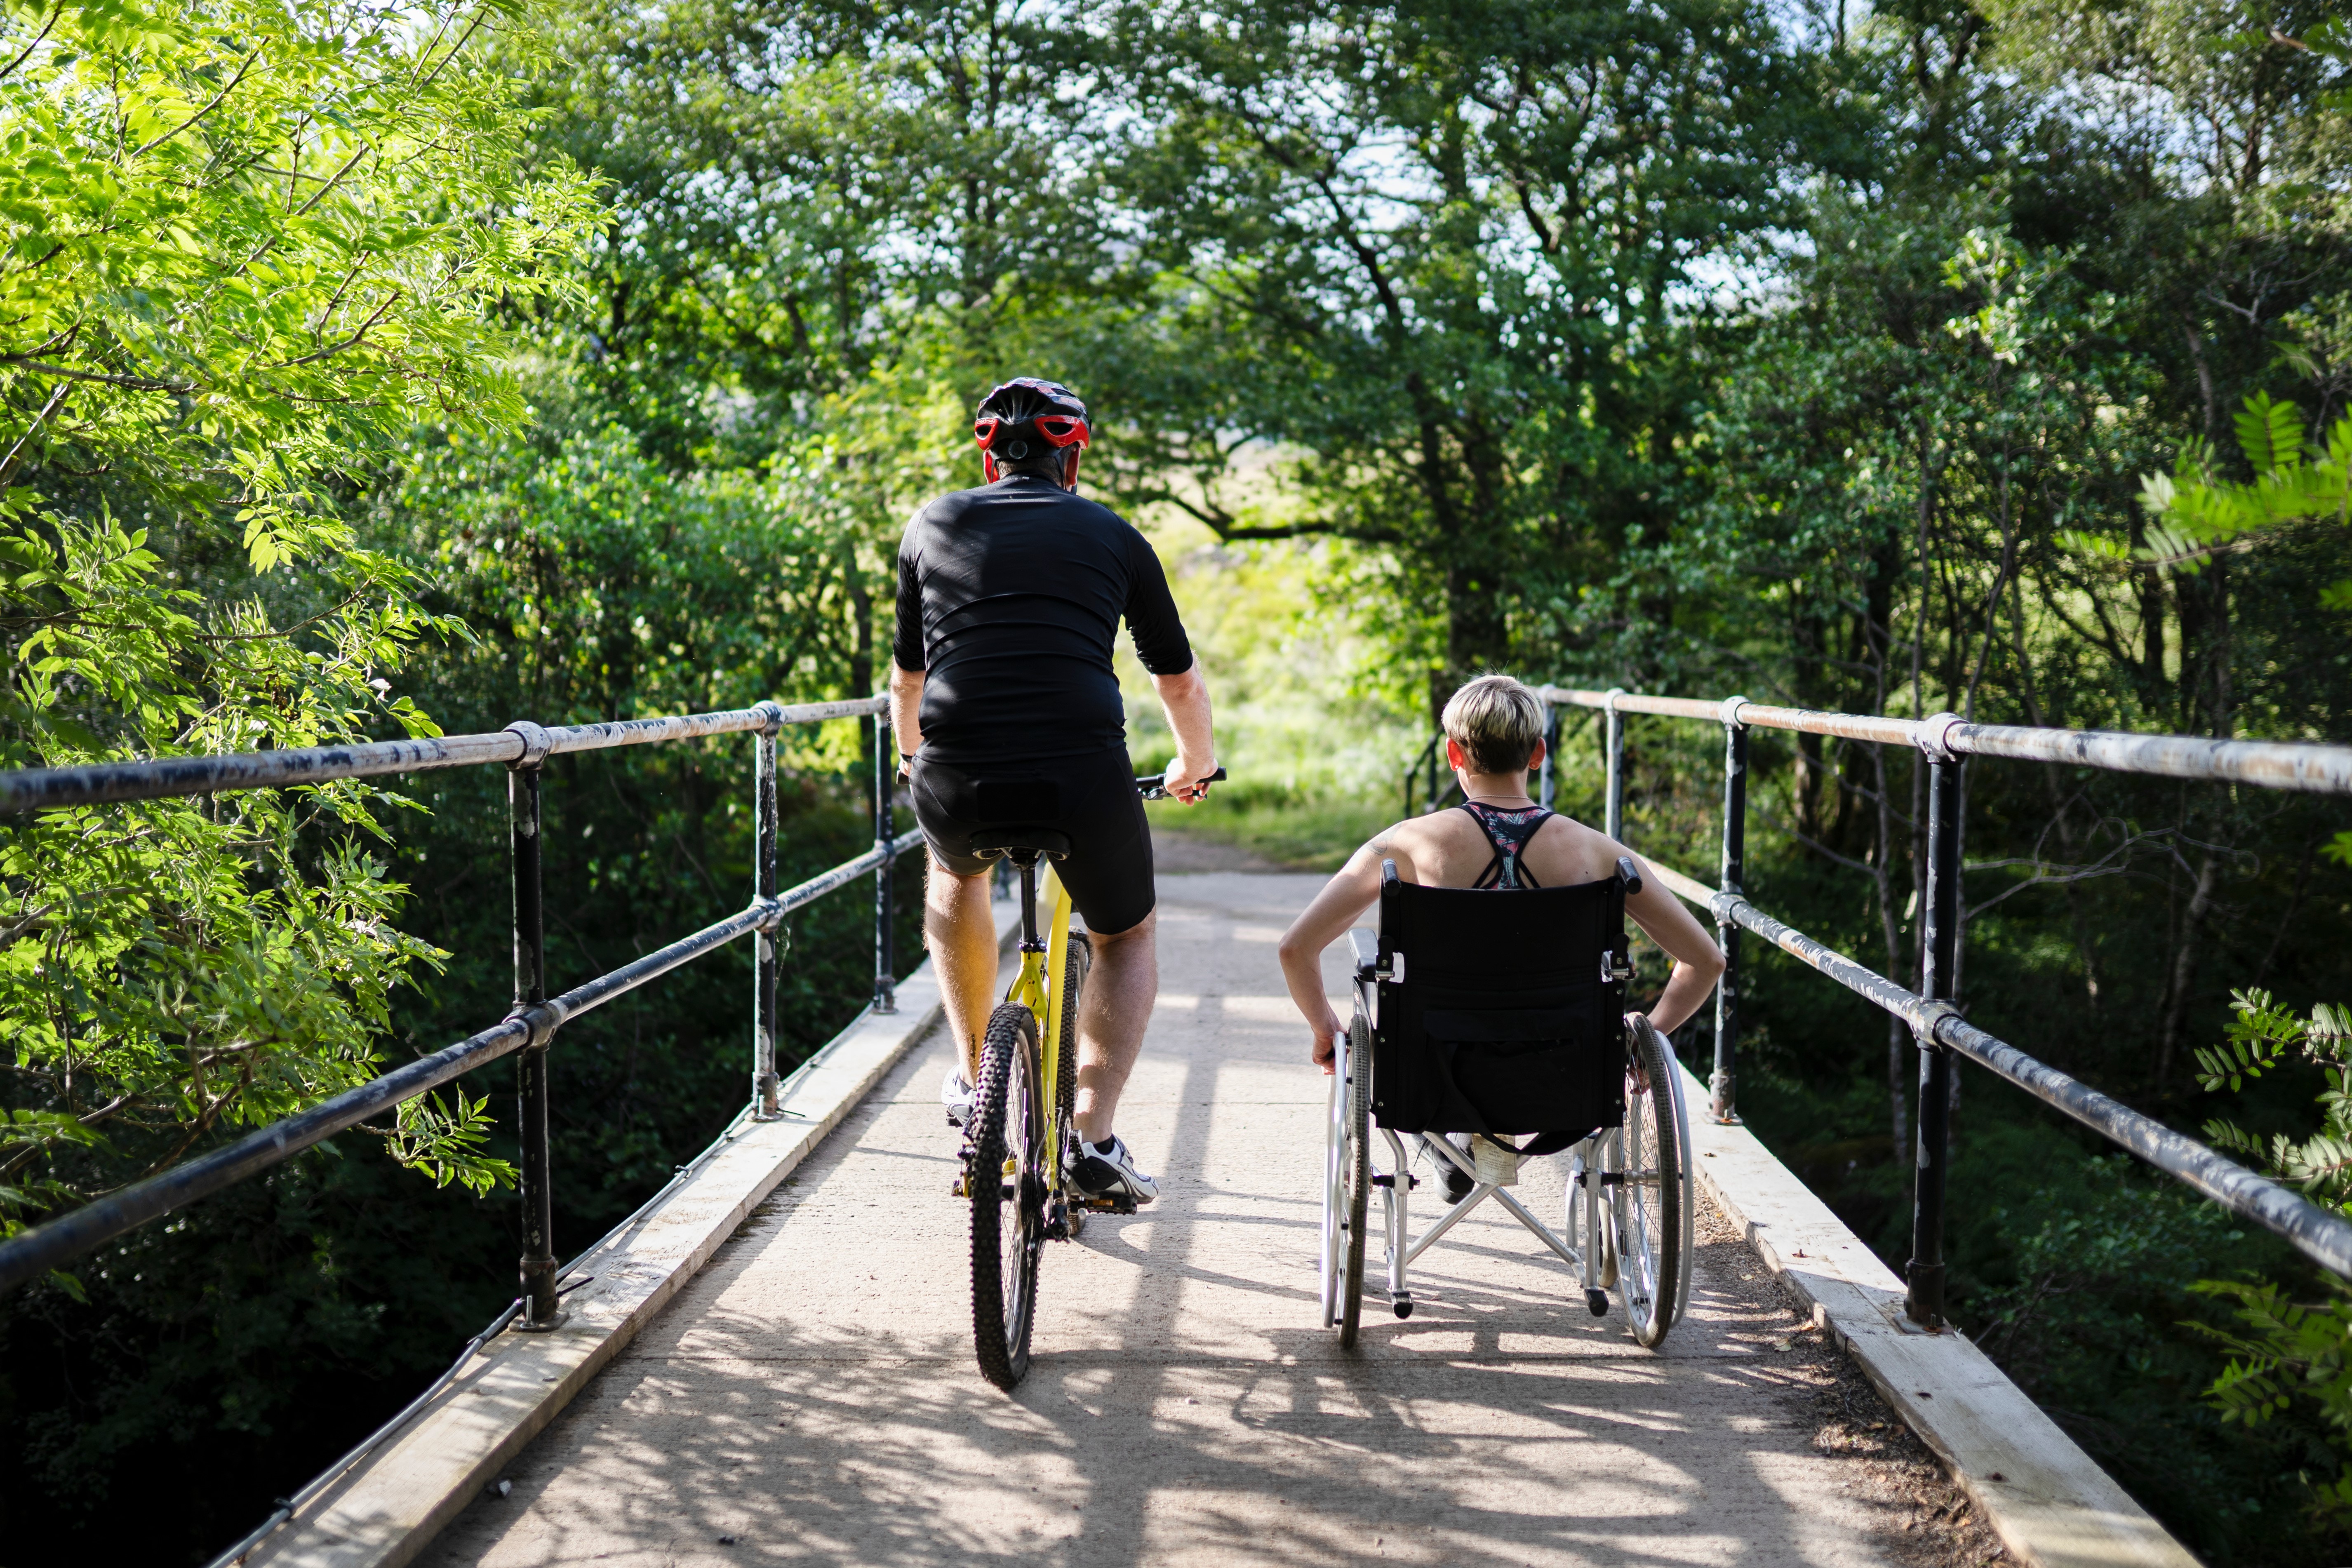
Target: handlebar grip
{"type": "Point", "coordinates": [1155, 787]}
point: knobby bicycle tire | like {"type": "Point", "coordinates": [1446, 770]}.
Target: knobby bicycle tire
{"type": "Point", "coordinates": [1078, 959]}
{"type": "Point", "coordinates": [1356, 1170]}
{"type": "Point", "coordinates": [1005, 1124]}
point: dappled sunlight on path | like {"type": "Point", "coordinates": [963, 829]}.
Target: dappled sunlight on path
{"type": "Point", "coordinates": [812, 1396]}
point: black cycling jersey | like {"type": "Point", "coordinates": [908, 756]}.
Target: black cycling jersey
{"type": "Point", "coordinates": [1009, 598]}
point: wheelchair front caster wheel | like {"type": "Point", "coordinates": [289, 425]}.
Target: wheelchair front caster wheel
{"type": "Point", "coordinates": [1403, 1305]}
{"type": "Point", "coordinates": [1599, 1301]}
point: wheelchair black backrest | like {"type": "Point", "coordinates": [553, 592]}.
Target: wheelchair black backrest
{"type": "Point", "coordinates": [1501, 1011]}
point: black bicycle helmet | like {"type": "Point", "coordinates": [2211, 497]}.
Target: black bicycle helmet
{"type": "Point", "coordinates": [1024, 419]}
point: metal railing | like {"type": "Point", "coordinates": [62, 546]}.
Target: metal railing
{"type": "Point", "coordinates": [1437, 784]}
{"type": "Point", "coordinates": [530, 1026]}
{"type": "Point", "coordinates": [1947, 741]}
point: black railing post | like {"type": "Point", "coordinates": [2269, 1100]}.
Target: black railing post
{"type": "Point", "coordinates": [1722, 1097]}
{"type": "Point", "coordinates": [767, 952]}
{"type": "Point", "coordinates": [537, 1170]}
{"type": "Point", "coordinates": [885, 935]}
{"type": "Point", "coordinates": [1612, 806]}
{"type": "Point", "coordinates": [1925, 1303]}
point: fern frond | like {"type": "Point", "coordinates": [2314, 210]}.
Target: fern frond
{"type": "Point", "coordinates": [2104, 546]}
{"type": "Point", "coordinates": [2271, 433]}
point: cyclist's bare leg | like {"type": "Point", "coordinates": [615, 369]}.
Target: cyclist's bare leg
{"type": "Point", "coordinates": [961, 934]}
{"type": "Point", "coordinates": [1113, 1011]}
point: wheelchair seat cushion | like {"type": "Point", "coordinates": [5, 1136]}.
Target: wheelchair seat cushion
{"type": "Point", "coordinates": [1507, 1020]}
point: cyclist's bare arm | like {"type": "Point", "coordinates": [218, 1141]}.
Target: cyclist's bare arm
{"type": "Point", "coordinates": [905, 708]}
{"type": "Point", "coordinates": [1185, 700]}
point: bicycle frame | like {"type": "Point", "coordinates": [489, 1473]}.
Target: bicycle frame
{"type": "Point", "coordinates": [1038, 986]}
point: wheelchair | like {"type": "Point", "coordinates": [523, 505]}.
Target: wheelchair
{"type": "Point", "coordinates": [1502, 1014]}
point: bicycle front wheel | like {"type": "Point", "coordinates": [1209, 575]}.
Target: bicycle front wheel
{"type": "Point", "coordinates": [1077, 961]}
{"type": "Point", "coordinates": [1006, 1184]}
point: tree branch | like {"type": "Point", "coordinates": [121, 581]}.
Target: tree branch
{"type": "Point", "coordinates": [207, 109]}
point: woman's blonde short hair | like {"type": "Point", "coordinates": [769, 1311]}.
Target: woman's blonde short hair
{"type": "Point", "coordinates": [1496, 721]}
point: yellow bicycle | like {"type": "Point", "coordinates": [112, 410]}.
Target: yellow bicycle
{"type": "Point", "coordinates": [1022, 1134]}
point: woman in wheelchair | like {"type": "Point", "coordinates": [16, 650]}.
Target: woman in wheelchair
{"type": "Point", "coordinates": [1466, 1068]}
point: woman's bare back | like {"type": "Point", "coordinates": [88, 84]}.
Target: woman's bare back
{"type": "Point", "coordinates": [1448, 849]}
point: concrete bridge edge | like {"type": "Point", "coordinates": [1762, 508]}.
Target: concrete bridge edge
{"type": "Point", "coordinates": [385, 1510]}
{"type": "Point", "coordinates": [2050, 1503]}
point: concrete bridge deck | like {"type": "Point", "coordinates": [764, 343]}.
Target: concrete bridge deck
{"type": "Point", "coordinates": [810, 1397]}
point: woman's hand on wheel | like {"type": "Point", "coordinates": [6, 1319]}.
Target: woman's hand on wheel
{"type": "Point", "coordinates": [1325, 1052]}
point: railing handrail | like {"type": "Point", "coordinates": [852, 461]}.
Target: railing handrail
{"type": "Point", "coordinates": [521, 747]}
{"type": "Point", "coordinates": [2314, 766]}
{"type": "Point", "coordinates": [105, 783]}
{"type": "Point", "coordinates": [2324, 1237]}
{"type": "Point", "coordinates": [1946, 741]}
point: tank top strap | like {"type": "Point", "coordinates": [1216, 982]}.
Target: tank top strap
{"type": "Point", "coordinates": [1508, 832]}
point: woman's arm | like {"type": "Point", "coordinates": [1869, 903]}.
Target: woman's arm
{"type": "Point", "coordinates": [1339, 905]}
{"type": "Point", "coordinates": [1698, 962]}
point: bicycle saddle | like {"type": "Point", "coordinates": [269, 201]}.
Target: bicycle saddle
{"type": "Point", "coordinates": [992, 843]}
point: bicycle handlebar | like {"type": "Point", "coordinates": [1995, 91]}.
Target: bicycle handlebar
{"type": "Point", "coordinates": [1154, 787]}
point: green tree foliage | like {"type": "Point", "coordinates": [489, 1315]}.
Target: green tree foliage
{"type": "Point", "coordinates": [245, 248]}
{"type": "Point", "coordinates": [2285, 1351]}
{"type": "Point", "coordinates": [1437, 254]}
{"type": "Point", "coordinates": [1695, 346]}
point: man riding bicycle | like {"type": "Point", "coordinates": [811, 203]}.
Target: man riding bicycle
{"type": "Point", "coordinates": [1004, 701]}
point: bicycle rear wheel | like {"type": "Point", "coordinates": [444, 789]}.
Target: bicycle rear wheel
{"type": "Point", "coordinates": [1006, 1184]}
{"type": "Point", "coordinates": [1653, 1204]}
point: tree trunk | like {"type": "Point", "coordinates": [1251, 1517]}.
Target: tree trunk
{"type": "Point", "coordinates": [2188, 948]}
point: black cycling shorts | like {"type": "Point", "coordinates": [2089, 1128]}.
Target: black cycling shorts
{"type": "Point", "coordinates": [1092, 799]}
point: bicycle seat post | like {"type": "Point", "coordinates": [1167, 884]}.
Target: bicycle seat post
{"type": "Point", "coordinates": [1028, 864]}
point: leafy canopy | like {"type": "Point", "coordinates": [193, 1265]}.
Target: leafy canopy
{"type": "Point", "coordinates": [244, 249]}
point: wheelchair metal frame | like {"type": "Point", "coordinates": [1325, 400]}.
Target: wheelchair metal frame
{"type": "Point", "coordinates": [1601, 1208]}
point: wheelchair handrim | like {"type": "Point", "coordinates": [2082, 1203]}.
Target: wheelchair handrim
{"type": "Point", "coordinates": [1334, 1152]}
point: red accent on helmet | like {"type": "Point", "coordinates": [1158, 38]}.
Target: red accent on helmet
{"type": "Point", "coordinates": [1062, 423]}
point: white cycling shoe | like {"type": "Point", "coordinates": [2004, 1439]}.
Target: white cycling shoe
{"type": "Point", "coordinates": [957, 1095]}
{"type": "Point", "coordinates": [1108, 1171]}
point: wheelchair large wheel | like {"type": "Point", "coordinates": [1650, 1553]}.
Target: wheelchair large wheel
{"type": "Point", "coordinates": [1006, 1184]}
{"type": "Point", "coordinates": [1334, 1185]}
{"type": "Point", "coordinates": [1355, 1177]}
{"type": "Point", "coordinates": [1652, 1206]}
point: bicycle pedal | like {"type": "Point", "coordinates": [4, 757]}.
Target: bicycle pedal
{"type": "Point", "coordinates": [1108, 1204]}
{"type": "Point", "coordinates": [956, 1188]}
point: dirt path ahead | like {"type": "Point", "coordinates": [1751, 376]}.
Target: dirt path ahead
{"type": "Point", "coordinates": [811, 1398]}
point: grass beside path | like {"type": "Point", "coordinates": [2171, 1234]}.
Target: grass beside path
{"type": "Point", "coordinates": [1301, 836]}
